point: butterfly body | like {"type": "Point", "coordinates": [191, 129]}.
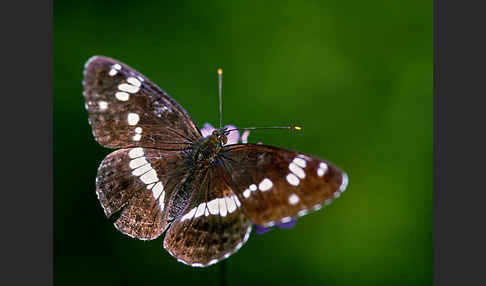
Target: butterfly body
{"type": "Point", "coordinates": [203, 187]}
{"type": "Point", "coordinates": [207, 149]}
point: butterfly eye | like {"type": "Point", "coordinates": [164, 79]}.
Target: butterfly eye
{"type": "Point", "coordinates": [224, 139]}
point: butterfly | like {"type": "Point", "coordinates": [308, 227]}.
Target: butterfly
{"type": "Point", "coordinates": [202, 187]}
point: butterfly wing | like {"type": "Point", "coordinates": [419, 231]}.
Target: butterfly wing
{"type": "Point", "coordinates": [139, 181]}
{"type": "Point", "coordinates": [127, 110]}
{"type": "Point", "coordinates": [274, 185]}
{"type": "Point", "coordinates": [213, 225]}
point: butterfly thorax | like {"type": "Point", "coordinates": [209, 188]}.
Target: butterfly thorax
{"type": "Point", "coordinates": [207, 149]}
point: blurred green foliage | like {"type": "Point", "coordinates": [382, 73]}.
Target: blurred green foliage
{"type": "Point", "coordinates": [357, 75]}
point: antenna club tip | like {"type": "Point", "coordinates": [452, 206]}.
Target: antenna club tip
{"type": "Point", "coordinates": [220, 71]}
{"type": "Point", "coordinates": [297, 128]}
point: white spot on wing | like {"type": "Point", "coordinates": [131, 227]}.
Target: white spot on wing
{"type": "Point", "coordinates": [304, 157]}
{"type": "Point", "coordinates": [138, 130]}
{"type": "Point", "coordinates": [149, 177]}
{"type": "Point", "coordinates": [134, 81]}
{"type": "Point", "coordinates": [149, 187]}
{"type": "Point", "coordinates": [293, 180]}
{"type": "Point", "coordinates": [253, 187]}
{"type": "Point", "coordinates": [157, 190]}
{"type": "Point", "coordinates": [136, 137]}
{"type": "Point", "coordinates": [294, 168]}
{"type": "Point", "coordinates": [230, 203]}
{"type": "Point", "coordinates": [238, 204]}
{"type": "Point", "coordinates": [113, 72]}
{"type": "Point", "coordinates": [122, 96]}
{"type": "Point", "coordinates": [128, 88]}
{"type": "Point", "coordinates": [135, 163]}
{"type": "Point", "coordinates": [293, 199]}
{"type": "Point", "coordinates": [133, 118]}
{"type": "Point", "coordinates": [300, 162]}
{"type": "Point", "coordinates": [265, 185]}
{"type": "Point", "coordinates": [116, 66]}
{"type": "Point", "coordinates": [321, 171]}
{"type": "Point", "coordinates": [135, 153]}
{"type": "Point", "coordinates": [246, 193]}
{"type": "Point", "coordinates": [200, 210]}
{"type": "Point", "coordinates": [103, 105]}
{"type": "Point", "coordinates": [141, 170]}
{"type": "Point", "coordinates": [223, 211]}
{"type": "Point", "coordinates": [189, 215]}
{"type": "Point", "coordinates": [213, 206]}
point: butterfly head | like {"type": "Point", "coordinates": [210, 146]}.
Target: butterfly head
{"type": "Point", "coordinates": [219, 136]}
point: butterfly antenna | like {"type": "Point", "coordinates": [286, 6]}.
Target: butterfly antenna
{"type": "Point", "coordinates": [269, 127]}
{"type": "Point", "coordinates": [220, 93]}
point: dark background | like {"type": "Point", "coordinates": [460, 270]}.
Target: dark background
{"type": "Point", "coordinates": [357, 75]}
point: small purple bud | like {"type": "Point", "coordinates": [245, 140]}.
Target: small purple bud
{"type": "Point", "coordinates": [260, 229]}
{"type": "Point", "coordinates": [287, 225]}
{"type": "Point", "coordinates": [244, 137]}
{"type": "Point", "coordinates": [207, 130]}
{"type": "Point", "coordinates": [233, 136]}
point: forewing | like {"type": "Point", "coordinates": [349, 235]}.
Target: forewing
{"type": "Point", "coordinates": [127, 110]}
{"type": "Point", "coordinates": [274, 185]}
{"type": "Point", "coordinates": [212, 227]}
{"type": "Point", "coordinates": [139, 181]}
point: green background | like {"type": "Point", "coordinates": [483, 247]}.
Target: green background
{"type": "Point", "coordinates": [357, 75]}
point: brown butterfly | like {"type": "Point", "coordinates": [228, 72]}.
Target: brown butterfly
{"type": "Point", "coordinates": [206, 189]}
